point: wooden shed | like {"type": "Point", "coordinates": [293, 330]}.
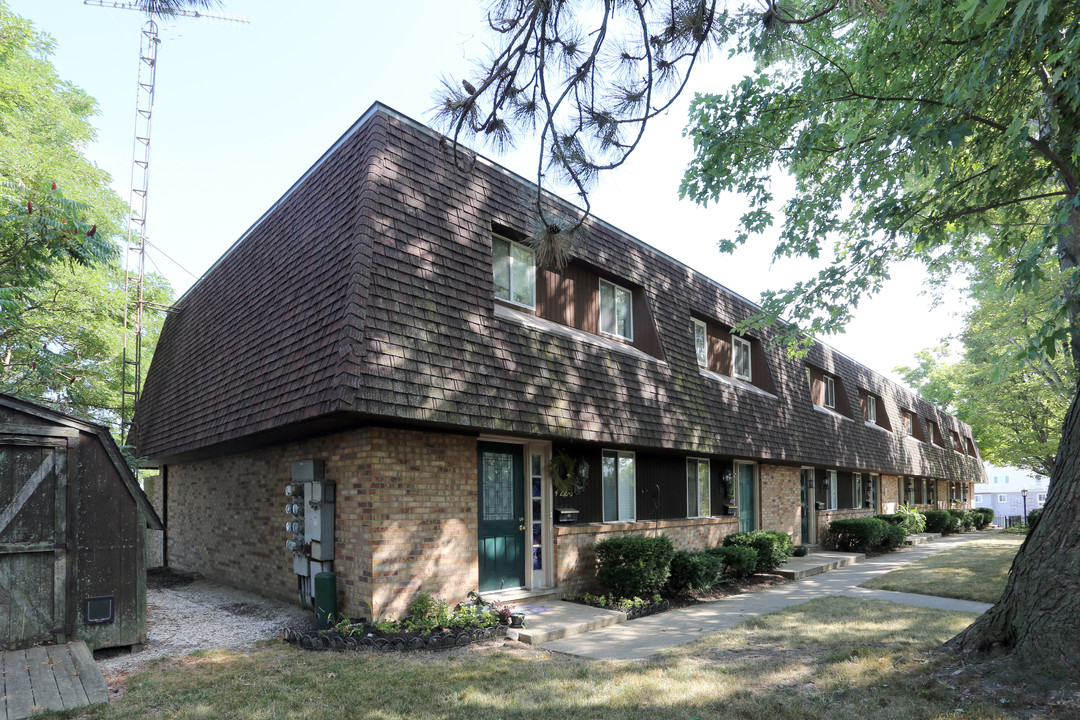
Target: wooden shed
{"type": "Point", "coordinates": [73, 526]}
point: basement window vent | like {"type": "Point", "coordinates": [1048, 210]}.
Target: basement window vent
{"type": "Point", "coordinates": [99, 610]}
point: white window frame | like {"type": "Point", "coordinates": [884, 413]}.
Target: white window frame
{"type": "Point", "coordinates": [857, 482]}
{"type": "Point", "coordinates": [934, 431]}
{"type": "Point", "coordinates": [741, 346]}
{"type": "Point", "coordinates": [694, 486]}
{"type": "Point", "coordinates": [1040, 498]}
{"type": "Point", "coordinates": [701, 343]}
{"type": "Point", "coordinates": [625, 488]}
{"type": "Point", "coordinates": [530, 274]}
{"type": "Point", "coordinates": [871, 409]}
{"type": "Point", "coordinates": [978, 500]}
{"type": "Point", "coordinates": [908, 422]}
{"type": "Point", "coordinates": [829, 397]}
{"type": "Point", "coordinates": [833, 479]}
{"type": "Point", "coordinates": [616, 289]}
{"type": "Point", "coordinates": [1003, 498]}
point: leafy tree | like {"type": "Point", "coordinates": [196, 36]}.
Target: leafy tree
{"type": "Point", "coordinates": [1015, 404]}
{"type": "Point", "coordinates": [943, 130]}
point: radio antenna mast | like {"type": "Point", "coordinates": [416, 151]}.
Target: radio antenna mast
{"type": "Point", "coordinates": [135, 258]}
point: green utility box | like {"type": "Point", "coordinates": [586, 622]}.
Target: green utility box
{"type": "Point", "coordinates": [325, 599]}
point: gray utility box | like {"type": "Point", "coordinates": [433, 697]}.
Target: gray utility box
{"type": "Point", "coordinates": [311, 522]}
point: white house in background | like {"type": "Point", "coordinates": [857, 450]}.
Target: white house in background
{"type": "Point", "coordinates": [1003, 492]}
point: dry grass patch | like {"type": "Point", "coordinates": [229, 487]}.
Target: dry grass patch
{"type": "Point", "coordinates": [833, 659]}
{"type": "Point", "coordinates": [975, 571]}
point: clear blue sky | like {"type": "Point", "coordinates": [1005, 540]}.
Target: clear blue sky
{"type": "Point", "coordinates": [242, 111]}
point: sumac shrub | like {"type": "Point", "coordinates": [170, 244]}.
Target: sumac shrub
{"type": "Point", "coordinates": [634, 566]}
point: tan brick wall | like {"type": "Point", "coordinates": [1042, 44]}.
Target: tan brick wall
{"type": "Point", "coordinates": [575, 559]}
{"type": "Point", "coordinates": [405, 517]}
{"type": "Point", "coordinates": [780, 500]}
{"type": "Point", "coordinates": [889, 493]}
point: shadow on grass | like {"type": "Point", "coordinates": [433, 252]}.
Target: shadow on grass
{"type": "Point", "coordinates": [830, 659]}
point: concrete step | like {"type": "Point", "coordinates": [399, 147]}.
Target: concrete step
{"type": "Point", "coordinates": [554, 619]}
{"type": "Point", "coordinates": [920, 538]}
{"type": "Point", "coordinates": [818, 561]}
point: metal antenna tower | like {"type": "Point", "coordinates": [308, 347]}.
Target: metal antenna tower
{"type": "Point", "coordinates": [135, 277]}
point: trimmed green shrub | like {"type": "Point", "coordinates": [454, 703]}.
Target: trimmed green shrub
{"type": "Point", "coordinates": [895, 535]}
{"type": "Point", "coordinates": [693, 571]}
{"type": "Point", "coordinates": [858, 533]}
{"type": "Point", "coordinates": [1033, 517]}
{"type": "Point", "coordinates": [893, 519]}
{"type": "Point", "coordinates": [738, 561]}
{"type": "Point", "coordinates": [983, 517]}
{"type": "Point", "coordinates": [634, 566]}
{"type": "Point", "coordinates": [961, 516]}
{"type": "Point", "coordinates": [937, 521]}
{"type": "Point", "coordinates": [914, 521]}
{"type": "Point", "coordinates": [772, 547]}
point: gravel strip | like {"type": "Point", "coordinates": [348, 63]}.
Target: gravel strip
{"type": "Point", "coordinates": [202, 615]}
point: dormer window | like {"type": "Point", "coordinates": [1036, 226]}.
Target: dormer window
{"type": "Point", "coordinates": [909, 425]}
{"type": "Point", "coordinates": [701, 343]}
{"type": "Point", "coordinates": [740, 359]}
{"type": "Point", "coordinates": [616, 310]}
{"type": "Point", "coordinates": [871, 409]}
{"type": "Point", "coordinates": [830, 392]}
{"type": "Point", "coordinates": [513, 267]}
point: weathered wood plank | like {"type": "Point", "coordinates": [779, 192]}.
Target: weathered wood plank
{"type": "Point", "coordinates": [12, 548]}
{"type": "Point", "coordinates": [8, 514]}
{"type": "Point", "coordinates": [45, 430]}
{"type": "Point", "coordinates": [19, 696]}
{"type": "Point", "coordinates": [89, 673]}
{"type": "Point", "coordinates": [43, 680]}
{"type": "Point", "coordinates": [71, 690]}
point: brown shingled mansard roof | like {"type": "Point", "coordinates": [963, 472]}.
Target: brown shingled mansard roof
{"type": "Point", "coordinates": [365, 295]}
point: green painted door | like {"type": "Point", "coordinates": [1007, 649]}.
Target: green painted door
{"type": "Point", "coordinates": [806, 503]}
{"type": "Point", "coordinates": [747, 497]}
{"type": "Point", "coordinates": [501, 525]}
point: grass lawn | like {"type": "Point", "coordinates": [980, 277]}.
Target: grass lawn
{"type": "Point", "coordinates": [976, 571]}
{"type": "Point", "coordinates": [832, 659]}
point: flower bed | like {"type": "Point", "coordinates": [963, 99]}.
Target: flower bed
{"type": "Point", "coordinates": [633, 607]}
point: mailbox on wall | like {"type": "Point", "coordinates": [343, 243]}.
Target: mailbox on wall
{"type": "Point", "coordinates": [310, 524]}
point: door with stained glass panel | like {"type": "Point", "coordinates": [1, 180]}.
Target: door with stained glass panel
{"type": "Point", "coordinates": [501, 526]}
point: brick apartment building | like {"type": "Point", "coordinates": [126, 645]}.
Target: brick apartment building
{"type": "Point", "coordinates": [387, 317]}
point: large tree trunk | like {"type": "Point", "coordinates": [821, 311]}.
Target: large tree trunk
{"type": "Point", "coordinates": [1037, 619]}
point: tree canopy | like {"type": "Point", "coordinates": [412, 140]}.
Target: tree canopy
{"type": "Point", "coordinates": [61, 285]}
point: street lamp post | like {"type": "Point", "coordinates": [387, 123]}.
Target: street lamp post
{"type": "Point", "coordinates": [1023, 494]}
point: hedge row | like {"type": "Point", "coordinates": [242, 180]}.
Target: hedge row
{"type": "Point", "coordinates": [867, 533]}
{"type": "Point", "coordinates": [635, 566]}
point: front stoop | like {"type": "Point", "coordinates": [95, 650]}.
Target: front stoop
{"type": "Point", "coordinates": [554, 619]}
{"type": "Point", "coordinates": [819, 561]}
{"type": "Point", "coordinates": [920, 538]}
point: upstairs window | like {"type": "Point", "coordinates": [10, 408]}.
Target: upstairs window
{"type": "Point", "coordinates": [830, 393]}
{"type": "Point", "coordinates": [909, 422]}
{"type": "Point", "coordinates": [833, 496]}
{"type": "Point", "coordinates": [616, 311]}
{"type": "Point", "coordinates": [701, 343]}
{"type": "Point", "coordinates": [697, 488]}
{"type": "Point", "coordinates": [871, 409]}
{"type": "Point", "coordinates": [740, 359]}
{"type": "Point", "coordinates": [619, 486]}
{"type": "Point", "coordinates": [513, 267]}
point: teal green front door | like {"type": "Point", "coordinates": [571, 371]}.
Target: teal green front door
{"type": "Point", "coordinates": [501, 526]}
{"type": "Point", "coordinates": [747, 497]}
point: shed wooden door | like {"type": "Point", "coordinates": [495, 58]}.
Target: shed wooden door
{"type": "Point", "coordinates": [33, 538]}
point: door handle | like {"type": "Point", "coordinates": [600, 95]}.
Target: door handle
{"type": "Point", "coordinates": [521, 527]}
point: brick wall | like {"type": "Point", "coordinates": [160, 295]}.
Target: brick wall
{"type": "Point", "coordinates": [575, 560]}
{"type": "Point", "coordinates": [889, 493]}
{"type": "Point", "coordinates": [405, 517]}
{"type": "Point", "coordinates": [781, 504]}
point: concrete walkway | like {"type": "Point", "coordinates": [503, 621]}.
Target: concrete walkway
{"type": "Point", "coordinates": [647, 636]}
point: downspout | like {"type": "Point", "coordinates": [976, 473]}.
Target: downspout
{"type": "Point", "coordinates": [164, 516]}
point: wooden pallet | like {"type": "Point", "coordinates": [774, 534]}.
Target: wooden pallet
{"type": "Point", "coordinates": [56, 677]}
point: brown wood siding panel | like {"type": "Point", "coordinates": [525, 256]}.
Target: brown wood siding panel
{"type": "Point", "coordinates": [760, 367]}
{"type": "Point", "coordinates": [817, 386]}
{"type": "Point", "coordinates": [645, 337]}
{"type": "Point", "coordinates": [719, 348]}
{"type": "Point", "coordinates": [661, 486]}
